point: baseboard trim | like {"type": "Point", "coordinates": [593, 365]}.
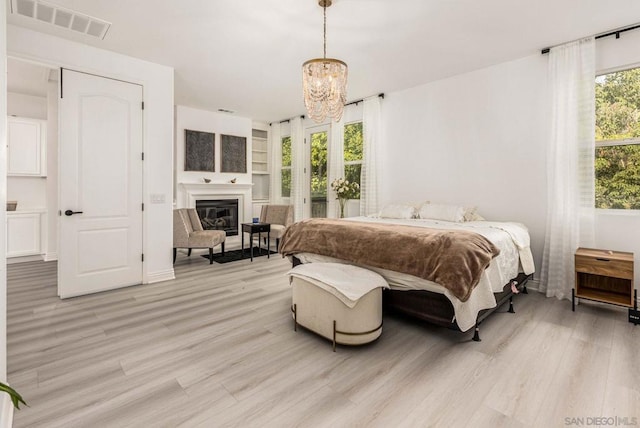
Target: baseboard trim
{"type": "Point", "coordinates": [6, 411]}
{"type": "Point", "coordinates": [24, 259]}
{"type": "Point", "coordinates": [50, 257]}
{"type": "Point", "coordinates": [160, 276]}
{"type": "Point", "coordinates": [534, 284]}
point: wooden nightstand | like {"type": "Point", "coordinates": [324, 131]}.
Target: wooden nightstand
{"type": "Point", "coordinates": [604, 276]}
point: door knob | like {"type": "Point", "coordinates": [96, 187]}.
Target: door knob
{"type": "Point", "coordinates": [69, 212]}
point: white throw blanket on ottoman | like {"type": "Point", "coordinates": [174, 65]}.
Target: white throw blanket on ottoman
{"type": "Point", "coordinates": [348, 283]}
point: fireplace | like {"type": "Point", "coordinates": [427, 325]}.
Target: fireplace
{"type": "Point", "coordinates": [218, 214]}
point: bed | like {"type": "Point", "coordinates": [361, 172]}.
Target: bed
{"type": "Point", "coordinates": [497, 266]}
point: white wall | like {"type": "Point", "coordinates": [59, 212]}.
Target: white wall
{"type": "Point", "coordinates": [480, 139]}
{"type": "Point", "coordinates": [30, 192]}
{"type": "Point", "coordinates": [217, 123]}
{"type": "Point", "coordinates": [26, 106]}
{"type": "Point", "coordinates": [473, 139]}
{"type": "Point", "coordinates": [157, 81]}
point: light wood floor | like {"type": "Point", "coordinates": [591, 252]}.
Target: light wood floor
{"type": "Point", "coordinates": [216, 347]}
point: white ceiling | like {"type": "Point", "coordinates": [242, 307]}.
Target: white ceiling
{"type": "Point", "coordinates": [246, 55]}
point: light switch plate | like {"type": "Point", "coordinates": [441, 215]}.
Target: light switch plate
{"type": "Point", "coordinates": [157, 198]}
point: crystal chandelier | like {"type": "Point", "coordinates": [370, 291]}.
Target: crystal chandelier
{"type": "Point", "coordinates": [324, 82]}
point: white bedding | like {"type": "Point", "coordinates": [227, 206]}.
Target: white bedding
{"type": "Point", "coordinates": [511, 238]}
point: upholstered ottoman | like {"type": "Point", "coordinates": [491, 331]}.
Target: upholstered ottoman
{"type": "Point", "coordinates": [340, 302]}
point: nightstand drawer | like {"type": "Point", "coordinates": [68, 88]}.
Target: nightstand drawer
{"type": "Point", "coordinates": [256, 227]}
{"type": "Point", "coordinates": [604, 266]}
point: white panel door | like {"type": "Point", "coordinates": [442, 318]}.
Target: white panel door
{"type": "Point", "coordinates": [100, 184]}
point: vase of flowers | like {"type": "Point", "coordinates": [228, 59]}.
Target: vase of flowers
{"type": "Point", "coordinates": [345, 190]}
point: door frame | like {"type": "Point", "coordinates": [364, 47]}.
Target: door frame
{"type": "Point", "coordinates": [142, 172]}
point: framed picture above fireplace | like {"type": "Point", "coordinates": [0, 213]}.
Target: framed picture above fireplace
{"type": "Point", "coordinates": [199, 151]}
{"type": "Point", "coordinates": [233, 154]}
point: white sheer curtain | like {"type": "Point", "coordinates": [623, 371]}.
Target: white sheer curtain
{"type": "Point", "coordinates": [570, 164]}
{"type": "Point", "coordinates": [372, 133]}
{"type": "Point", "coordinates": [275, 143]}
{"type": "Point", "coordinates": [297, 165]}
{"type": "Point", "coordinates": [336, 166]}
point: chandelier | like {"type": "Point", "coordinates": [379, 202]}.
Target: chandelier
{"type": "Point", "coordinates": [324, 82]}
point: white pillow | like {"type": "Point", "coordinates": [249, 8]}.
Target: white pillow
{"type": "Point", "coordinates": [398, 211]}
{"type": "Point", "coordinates": [471, 214]}
{"type": "Point", "coordinates": [475, 217]}
{"type": "Point", "coordinates": [442, 212]}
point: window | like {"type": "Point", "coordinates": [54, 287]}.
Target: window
{"type": "Point", "coordinates": [286, 167]}
{"type": "Point", "coordinates": [318, 176]}
{"type": "Point", "coordinates": [617, 157]}
{"type": "Point", "coordinates": [353, 153]}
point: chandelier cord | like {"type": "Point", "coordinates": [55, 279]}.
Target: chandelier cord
{"type": "Point", "coordinates": [324, 8]}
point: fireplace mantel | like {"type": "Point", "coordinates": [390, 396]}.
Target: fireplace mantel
{"type": "Point", "coordinates": [199, 187]}
{"type": "Point", "coordinates": [198, 191]}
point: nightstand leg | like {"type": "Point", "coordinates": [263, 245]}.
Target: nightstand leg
{"type": "Point", "coordinates": [511, 311]}
{"type": "Point", "coordinates": [573, 299]}
{"type": "Point", "coordinates": [268, 243]}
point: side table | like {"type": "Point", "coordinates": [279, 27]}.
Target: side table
{"type": "Point", "coordinates": [604, 276]}
{"type": "Point", "coordinates": [258, 228]}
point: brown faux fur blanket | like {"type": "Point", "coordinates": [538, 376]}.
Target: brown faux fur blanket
{"type": "Point", "coordinates": [452, 258]}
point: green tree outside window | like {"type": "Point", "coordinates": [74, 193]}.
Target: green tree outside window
{"type": "Point", "coordinates": [353, 144]}
{"type": "Point", "coordinates": [617, 157]}
{"type": "Point", "coordinates": [286, 167]}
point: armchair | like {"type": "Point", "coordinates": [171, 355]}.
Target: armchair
{"type": "Point", "coordinates": [188, 233]}
{"type": "Point", "coordinates": [279, 216]}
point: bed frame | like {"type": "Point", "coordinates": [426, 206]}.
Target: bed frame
{"type": "Point", "coordinates": [437, 309]}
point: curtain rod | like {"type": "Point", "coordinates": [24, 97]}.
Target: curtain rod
{"type": "Point", "coordinates": [608, 34]}
{"type": "Point", "coordinates": [381, 95]}
{"type": "Point", "coordinates": [302, 116]}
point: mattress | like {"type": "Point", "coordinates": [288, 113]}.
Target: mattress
{"type": "Point", "coordinates": [515, 255]}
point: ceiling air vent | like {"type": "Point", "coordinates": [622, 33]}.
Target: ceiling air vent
{"type": "Point", "coordinates": [61, 17]}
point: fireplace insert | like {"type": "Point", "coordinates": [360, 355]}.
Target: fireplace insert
{"type": "Point", "coordinates": [219, 214]}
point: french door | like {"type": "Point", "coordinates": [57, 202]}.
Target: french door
{"type": "Point", "coordinates": [316, 162]}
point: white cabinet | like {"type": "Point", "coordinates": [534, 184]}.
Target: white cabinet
{"type": "Point", "coordinates": [24, 233]}
{"type": "Point", "coordinates": [26, 147]}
